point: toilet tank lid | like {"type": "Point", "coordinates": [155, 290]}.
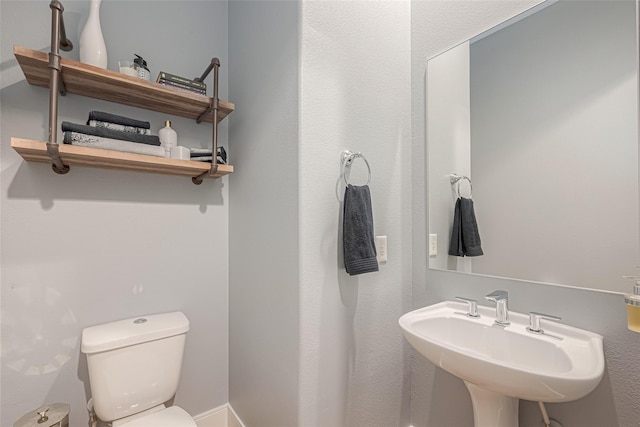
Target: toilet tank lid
{"type": "Point", "coordinates": [135, 330]}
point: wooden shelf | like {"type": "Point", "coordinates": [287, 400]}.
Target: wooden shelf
{"type": "Point", "coordinates": [87, 80]}
{"type": "Point", "coordinates": [94, 82]}
{"type": "Point", "coordinates": [36, 151]}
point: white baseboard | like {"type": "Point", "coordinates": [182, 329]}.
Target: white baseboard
{"type": "Point", "coordinates": [222, 416]}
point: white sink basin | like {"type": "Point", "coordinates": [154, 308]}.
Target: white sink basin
{"type": "Point", "coordinates": [509, 360]}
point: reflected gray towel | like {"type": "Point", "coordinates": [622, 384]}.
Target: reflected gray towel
{"type": "Point", "coordinates": [465, 238]}
{"type": "Point", "coordinates": [357, 231]}
{"type": "Point", "coordinates": [455, 245]}
{"type": "Point", "coordinates": [110, 133]}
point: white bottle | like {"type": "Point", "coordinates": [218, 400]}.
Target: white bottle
{"type": "Point", "coordinates": [168, 138]}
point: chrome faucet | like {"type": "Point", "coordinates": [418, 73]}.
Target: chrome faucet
{"type": "Point", "coordinates": [502, 310]}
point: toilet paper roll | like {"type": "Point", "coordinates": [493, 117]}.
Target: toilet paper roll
{"type": "Point", "coordinates": [182, 153]}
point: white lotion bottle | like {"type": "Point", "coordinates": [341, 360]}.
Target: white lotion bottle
{"type": "Point", "coordinates": [168, 138]}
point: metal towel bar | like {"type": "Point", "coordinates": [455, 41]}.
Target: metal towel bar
{"type": "Point", "coordinates": [455, 179]}
{"type": "Point", "coordinates": [347, 159]}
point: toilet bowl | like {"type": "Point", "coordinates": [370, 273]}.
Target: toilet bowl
{"type": "Point", "coordinates": [134, 369]}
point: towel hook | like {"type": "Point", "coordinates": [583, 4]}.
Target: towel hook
{"type": "Point", "coordinates": [347, 159]}
{"type": "Point", "coordinates": [455, 178]}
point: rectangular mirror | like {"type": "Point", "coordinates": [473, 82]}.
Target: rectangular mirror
{"type": "Point", "coordinates": [541, 113]}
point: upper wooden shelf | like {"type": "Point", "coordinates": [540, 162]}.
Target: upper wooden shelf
{"type": "Point", "coordinates": [94, 82]}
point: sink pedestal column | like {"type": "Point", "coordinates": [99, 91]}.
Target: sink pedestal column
{"type": "Point", "coordinates": [491, 409]}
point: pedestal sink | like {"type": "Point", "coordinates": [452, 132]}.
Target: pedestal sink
{"type": "Point", "coordinates": [499, 364]}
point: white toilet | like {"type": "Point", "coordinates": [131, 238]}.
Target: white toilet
{"type": "Point", "coordinates": [134, 368]}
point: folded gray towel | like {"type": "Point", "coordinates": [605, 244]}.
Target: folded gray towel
{"type": "Point", "coordinates": [110, 133]}
{"type": "Point", "coordinates": [114, 118]}
{"type": "Point", "coordinates": [116, 126]}
{"type": "Point", "coordinates": [465, 238]}
{"type": "Point", "coordinates": [357, 231]}
{"type": "Point", "coordinates": [84, 140]}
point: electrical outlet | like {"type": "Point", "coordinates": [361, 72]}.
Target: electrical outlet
{"type": "Point", "coordinates": [433, 245]}
{"type": "Point", "coordinates": [381, 248]}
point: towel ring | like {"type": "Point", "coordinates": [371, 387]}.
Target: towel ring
{"type": "Point", "coordinates": [347, 159]}
{"type": "Point", "coordinates": [455, 178]}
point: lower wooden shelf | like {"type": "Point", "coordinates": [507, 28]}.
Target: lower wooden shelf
{"type": "Point", "coordinates": [36, 151]}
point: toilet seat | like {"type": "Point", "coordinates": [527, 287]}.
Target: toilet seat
{"type": "Point", "coordinates": [173, 416]}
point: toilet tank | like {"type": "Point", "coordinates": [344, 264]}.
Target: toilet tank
{"type": "Point", "coordinates": [134, 364]}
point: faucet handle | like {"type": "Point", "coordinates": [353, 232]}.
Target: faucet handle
{"type": "Point", "coordinates": [473, 306]}
{"type": "Point", "coordinates": [534, 321]}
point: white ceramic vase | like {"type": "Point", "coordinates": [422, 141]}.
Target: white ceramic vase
{"type": "Point", "coordinates": [93, 51]}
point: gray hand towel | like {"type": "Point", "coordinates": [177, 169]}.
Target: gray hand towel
{"type": "Point", "coordinates": [465, 238]}
{"type": "Point", "coordinates": [357, 231]}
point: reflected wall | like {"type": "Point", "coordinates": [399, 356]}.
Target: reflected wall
{"type": "Point", "coordinates": [553, 148]}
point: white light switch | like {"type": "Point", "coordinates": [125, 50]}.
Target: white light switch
{"type": "Point", "coordinates": [381, 248]}
{"type": "Point", "coordinates": [433, 245]}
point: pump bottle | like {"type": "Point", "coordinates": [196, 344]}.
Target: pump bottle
{"type": "Point", "coordinates": [168, 138]}
{"type": "Point", "coordinates": [633, 305]}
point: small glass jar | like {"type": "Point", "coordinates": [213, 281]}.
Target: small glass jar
{"type": "Point", "coordinates": [141, 68]}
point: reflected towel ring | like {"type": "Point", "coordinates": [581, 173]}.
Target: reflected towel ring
{"type": "Point", "coordinates": [347, 159]}
{"type": "Point", "coordinates": [455, 178]}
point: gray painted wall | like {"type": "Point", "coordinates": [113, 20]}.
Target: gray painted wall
{"type": "Point", "coordinates": [288, 285]}
{"type": "Point", "coordinates": [94, 245]}
{"type": "Point", "coordinates": [355, 94]}
{"type": "Point", "coordinates": [264, 265]}
{"type": "Point", "coordinates": [439, 399]}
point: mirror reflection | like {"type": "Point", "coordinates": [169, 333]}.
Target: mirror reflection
{"type": "Point", "coordinates": [541, 114]}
